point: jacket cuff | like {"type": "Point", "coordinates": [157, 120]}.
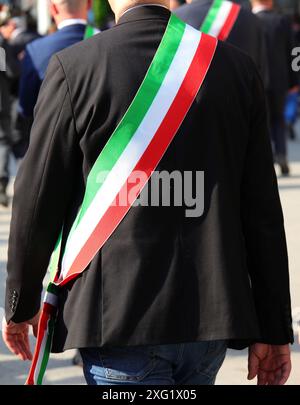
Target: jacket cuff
{"type": "Point", "coordinates": [20, 305]}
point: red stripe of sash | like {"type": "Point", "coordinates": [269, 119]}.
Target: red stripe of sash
{"type": "Point", "coordinates": [229, 23]}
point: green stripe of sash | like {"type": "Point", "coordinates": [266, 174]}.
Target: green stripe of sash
{"type": "Point", "coordinates": [211, 16]}
{"type": "Point", "coordinates": [46, 352]}
{"type": "Point", "coordinates": [53, 289]}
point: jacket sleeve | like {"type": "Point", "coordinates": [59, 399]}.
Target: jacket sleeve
{"type": "Point", "coordinates": [264, 233]}
{"type": "Point", "coordinates": [43, 190]}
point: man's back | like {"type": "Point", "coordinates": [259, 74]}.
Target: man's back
{"type": "Point", "coordinates": [161, 277]}
{"type": "Point", "coordinates": [279, 41]}
{"type": "Point", "coordinates": [246, 33]}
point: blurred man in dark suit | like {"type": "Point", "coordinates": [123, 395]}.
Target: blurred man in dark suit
{"type": "Point", "coordinates": [71, 20]}
{"type": "Point", "coordinates": [246, 33]}
{"type": "Point", "coordinates": [4, 137]}
{"type": "Point", "coordinates": [17, 36]}
{"type": "Point", "coordinates": [282, 79]}
{"type": "Point", "coordinates": [8, 72]}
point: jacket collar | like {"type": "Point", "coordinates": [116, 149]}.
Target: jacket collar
{"type": "Point", "coordinates": [145, 13]}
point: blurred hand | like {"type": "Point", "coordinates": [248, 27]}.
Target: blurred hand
{"type": "Point", "coordinates": [16, 336]}
{"type": "Point", "coordinates": [271, 364]}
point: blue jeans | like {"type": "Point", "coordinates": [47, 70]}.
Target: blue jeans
{"type": "Point", "coordinates": [181, 364]}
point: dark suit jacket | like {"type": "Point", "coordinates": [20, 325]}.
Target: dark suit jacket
{"type": "Point", "coordinates": [161, 277]}
{"type": "Point", "coordinates": [280, 41]}
{"type": "Point", "coordinates": [246, 34]}
{"type": "Point", "coordinates": [35, 63]}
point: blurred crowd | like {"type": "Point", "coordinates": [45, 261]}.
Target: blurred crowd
{"type": "Point", "coordinates": [28, 55]}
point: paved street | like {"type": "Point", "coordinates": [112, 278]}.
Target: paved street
{"type": "Point", "coordinates": [60, 371]}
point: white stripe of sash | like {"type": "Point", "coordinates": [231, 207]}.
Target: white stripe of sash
{"type": "Point", "coordinates": [51, 299]}
{"type": "Point", "coordinates": [220, 19]}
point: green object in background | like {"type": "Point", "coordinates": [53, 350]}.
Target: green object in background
{"type": "Point", "coordinates": [90, 32]}
{"type": "Point", "coordinates": [101, 11]}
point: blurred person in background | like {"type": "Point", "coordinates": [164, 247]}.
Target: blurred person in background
{"type": "Point", "coordinates": [8, 71]}
{"type": "Point", "coordinates": [282, 79]}
{"type": "Point", "coordinates": [292, 103]}
{"type": "Point", "coordinates": [246, 33]}
{"type": "Point", "coordinates": [11, 65]}
{"type": "Point", "coordinates": [15, 32]}
{"type": "Point", "coordinates": [4, 137]}
{"type": "Point", "coordinates": [296, 28]}
{"type": "Point", "coordinates": [70, 17]}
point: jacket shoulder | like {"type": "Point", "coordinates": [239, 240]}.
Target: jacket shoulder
{"type": "Point", "coordinates": [93, 50]}
{"type": "Point", "coordinates": [89, 46]}
{"type": "Point", "coordinates": [234, 63]}
{"type": "Point", "coordinates": [248, 16]}
{"type": "Point", "coordinates": [228, 50]}
{"type": "Point", "coordinates": [42, 46]}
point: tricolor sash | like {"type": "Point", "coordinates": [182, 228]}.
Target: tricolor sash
{"type": "Point", "coordinates": [138, 143]}
{"type": "Point", "coordinates": [220, 19]}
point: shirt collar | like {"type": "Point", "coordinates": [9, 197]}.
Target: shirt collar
{"type": "Point", "coordinates": [71, 21]}
{"type": "Point", "coordinates": [258, 9]}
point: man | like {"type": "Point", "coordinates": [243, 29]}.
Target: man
{"type": "Point", "coordinates": [167, 293]}
{"type": "Point", "coordinates": [282, 79]}
{"type": "Point", "coordinates": [246, 33]}
{"type": "Point", "coordinates": [71, 18]}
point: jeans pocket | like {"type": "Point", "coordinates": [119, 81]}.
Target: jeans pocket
{"type": "Point", "coordinates": [127, 364]}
